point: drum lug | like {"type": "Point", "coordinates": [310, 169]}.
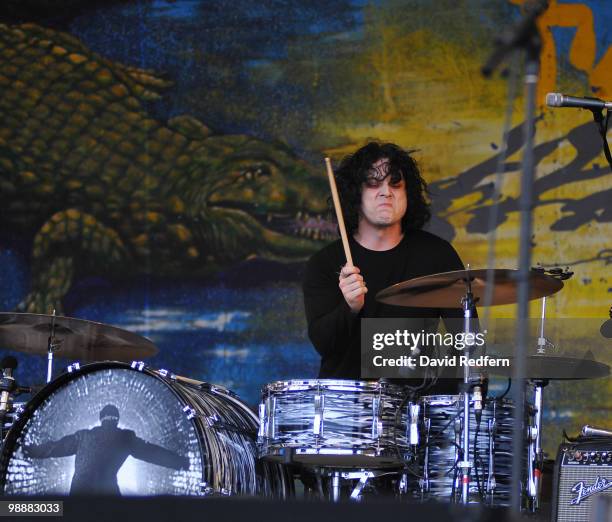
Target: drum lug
{"type": "Point", "coordinates": [190, 412]}
{"type": "Point", "coordinates": [413, 415]}
{"type": "Point", "coordinates": [262, 426]}
{"type": "Point", "coordinates": [403, 484]}
{"type": "Point", "coordinates": [74, 367]}
{"type": "Point", "coordinates": [319, 407]}
{"type": "Point", "coordinates": [377, 425]}
{"type": "Point", "coordinates": [270, 422]}
{"type": "Point", "coordinates": [206, 489]}
{"type": "Point", "coordinates": [211, 420]}
{"type": "Point", "coordinates": [491, 484]}
{"type": "Point", "coordinates": [137, 365]}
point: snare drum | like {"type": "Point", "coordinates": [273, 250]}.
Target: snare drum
{"type": "Point", "coordinates": [439, 453]}
{"type": "Point", "coordinates": [119, 429]}
{"type": "Point", "coordinates": [334, 423]}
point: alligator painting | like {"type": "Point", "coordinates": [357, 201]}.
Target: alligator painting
{"type": "Point", "coordinates": [96, 185]}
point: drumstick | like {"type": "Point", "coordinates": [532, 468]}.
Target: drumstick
{"type": "Point", "coordinates": [339, 216]}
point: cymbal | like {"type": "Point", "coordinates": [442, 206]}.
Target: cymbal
{"type": "Point", "coordinates": [446, 289]}
{"type": "Point", "coordinates": [556, 368]}
{"type": "Point", "coordinates": [76, 338]}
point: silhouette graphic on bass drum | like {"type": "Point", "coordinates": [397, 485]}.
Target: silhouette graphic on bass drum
{"type": "Point", "coordinates": [101, 451]}
{"type": "Point", "coordinates": [111, 428]}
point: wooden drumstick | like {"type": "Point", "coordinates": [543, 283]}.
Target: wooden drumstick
{"type": "Point", "coordinates": [339, 216]}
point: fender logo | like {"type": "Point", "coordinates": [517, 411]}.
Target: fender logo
{"type": "Point", "coordinates": [583, 491]}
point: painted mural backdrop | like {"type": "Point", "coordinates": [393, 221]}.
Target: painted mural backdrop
{"type": "Point", "coordinates": [160, 164]}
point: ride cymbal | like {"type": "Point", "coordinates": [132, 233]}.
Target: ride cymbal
{"type": "Point", "coordinates": [446, 289]}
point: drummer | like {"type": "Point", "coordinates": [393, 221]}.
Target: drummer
{"type": "Point", "coordinates": [385, 208]}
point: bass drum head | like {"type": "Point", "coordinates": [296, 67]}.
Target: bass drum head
{"type": "Point", "coordinates": [113, 430]}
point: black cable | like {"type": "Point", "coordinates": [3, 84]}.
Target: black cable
{"type": "Point", "coordinates": [475, 451]}
{"type": "Point", "coordinates": [459, 457]}
{"type": "Point", "coordinates": [602, 126]}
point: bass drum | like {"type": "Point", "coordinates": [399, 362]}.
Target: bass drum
{"type": "Point", "coordinates": [120, 429]}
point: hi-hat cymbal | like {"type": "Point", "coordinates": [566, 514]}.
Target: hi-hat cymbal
{"type": "Point", "coordinates": [76, 338]}
{"type": "Point", "coordinates": [446, 289]}
{"type": "Point", "coordinates": [556, 368]}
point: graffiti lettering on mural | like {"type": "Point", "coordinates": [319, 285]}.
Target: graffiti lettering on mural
{"type": "Point", "coordinates": [582, 52]}
{"type": "Point", "coordinates": [575, 212]}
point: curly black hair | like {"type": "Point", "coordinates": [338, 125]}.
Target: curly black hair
{"type": "Point", "coordinates": [353, 172]}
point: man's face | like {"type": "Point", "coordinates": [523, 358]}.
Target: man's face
{"type": "Point", "coordinates": [383, 196]}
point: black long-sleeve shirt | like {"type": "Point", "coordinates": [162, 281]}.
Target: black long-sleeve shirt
{"type": "Point", "coordinates": [333, 329]}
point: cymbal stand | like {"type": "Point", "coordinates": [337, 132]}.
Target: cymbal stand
{"type": "Point", "coordinates": [52, 345]}
{"type": "Point", "coordinates": [465, 465]}
{"type": "Point", "coordinates": [535, 455]}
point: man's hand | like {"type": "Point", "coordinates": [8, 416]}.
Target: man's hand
{"type": "Point", "coordinates": [352, 287]}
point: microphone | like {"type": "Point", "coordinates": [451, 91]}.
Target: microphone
{"type": "Point", "coordinates": [7, 384]}
{"type": "Point", "coordinates": [592, 431]}
{"type": "Point", "coordinates": [556, 99]}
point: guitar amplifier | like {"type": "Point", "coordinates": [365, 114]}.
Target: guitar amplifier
{"type": "Point", "coordinates": [583, 472]}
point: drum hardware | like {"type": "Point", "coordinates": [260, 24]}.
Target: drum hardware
{"type": "Point", "coordinates": [7, 384]}
{"type": "Point", "coordinates": [319, 407]}
{"type": "Point", "coordinates": [337, 478]}
{"type": "Point", "coordinates": [468, 287]}
{"type": "Point", "coordinates": [74, 367]}
{"type": "Point", "coordinates": [137, 365]}
{"type": "Point", "coordinates": [53, 344]}
{"type": "Point", "coordinates": [465, 465]}
{"type": "Point", "coordinates": [535, 454]}
{"type": "Point", "coordinates": [414, 426]}
{"type": "Point", "coordinates": [9, 390]}
{"type": "Point", "coordinates": [491, 482]}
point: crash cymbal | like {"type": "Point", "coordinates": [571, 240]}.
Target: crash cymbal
{"type": "Point", "coordinates": [557, 368]}
{"type": "Point", "coordinates": [446, 289]}
{"type": "Point", "coordinates": [76, 338]}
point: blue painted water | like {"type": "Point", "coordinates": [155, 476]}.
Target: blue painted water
{"type": "Point", "coordinates": [241, 338]}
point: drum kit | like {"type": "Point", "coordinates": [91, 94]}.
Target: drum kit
{"type": "Point", "coordinates": [342, 438]}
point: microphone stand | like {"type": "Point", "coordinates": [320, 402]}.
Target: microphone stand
{"type": "Point", "coordinates": [532, 66]}
{"type": "Point", "coordinates": [526, 36]}
{"type": "Point", "coordinates": [602, 126]}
